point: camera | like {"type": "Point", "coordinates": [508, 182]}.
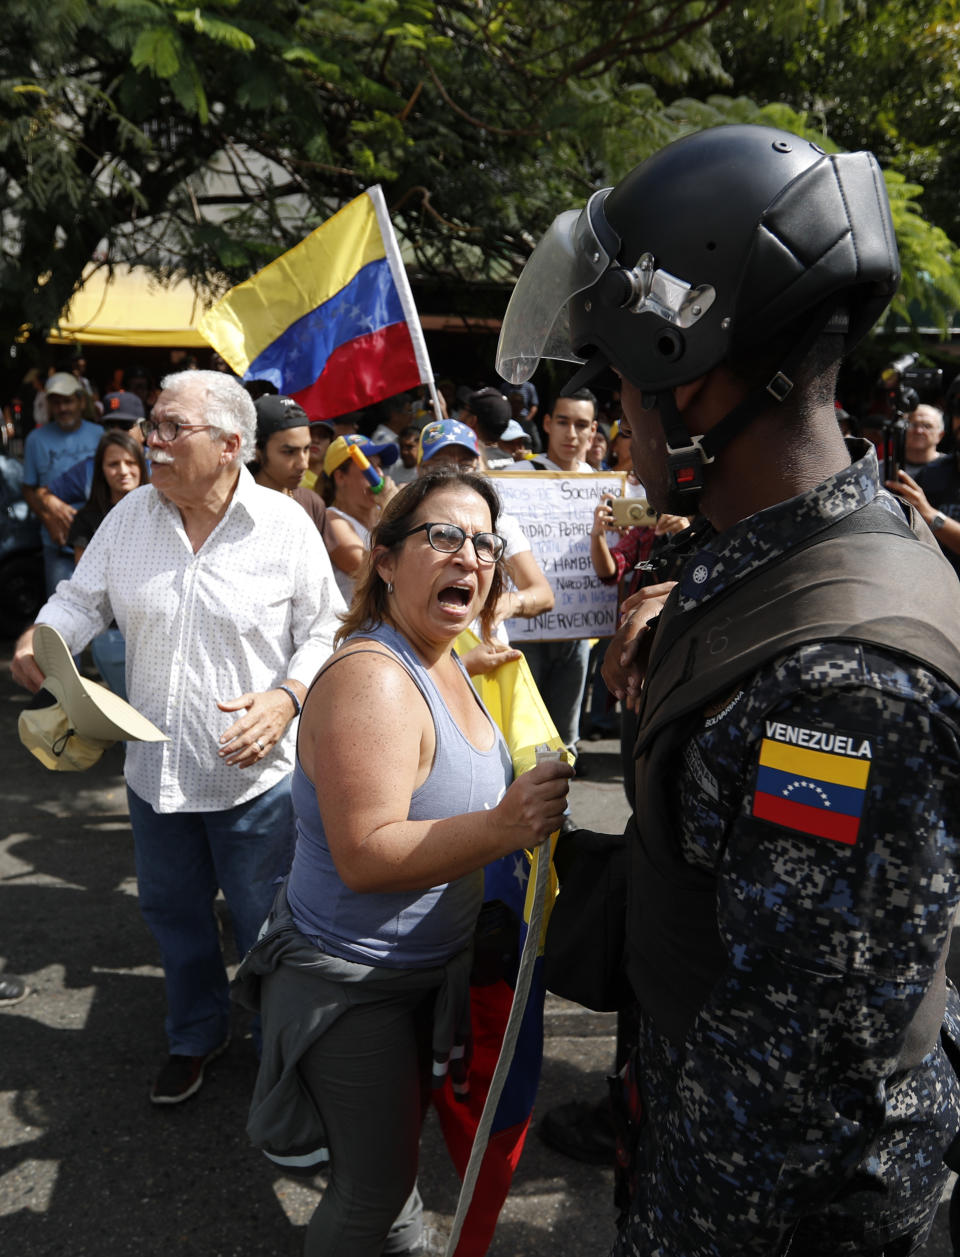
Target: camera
{"type": "Point", "coordinates": [904, 381]}
{"type": "Point", "coordinates": [635, 512]}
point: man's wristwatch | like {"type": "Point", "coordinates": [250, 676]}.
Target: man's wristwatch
{"type": "Point", "coordinates": [938, 521]}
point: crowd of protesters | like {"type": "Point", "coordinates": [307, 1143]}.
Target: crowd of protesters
{"type": "Point", "coordinates": [367, 482]}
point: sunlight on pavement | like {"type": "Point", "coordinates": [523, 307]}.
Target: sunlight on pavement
{"type": "Point", "coordinates": [29, 1186]}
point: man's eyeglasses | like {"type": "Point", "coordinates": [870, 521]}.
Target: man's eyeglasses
{"type": "Point", "coordinates": [449, 538]}
{"type": "Point", "coordinates": [167, 429]}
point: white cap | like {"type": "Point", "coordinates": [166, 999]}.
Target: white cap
{"type": "Point", "coordinates": [63, 384]}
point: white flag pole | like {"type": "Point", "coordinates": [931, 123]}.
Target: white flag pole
{"type": "Point", "coordinates": [399, 273]}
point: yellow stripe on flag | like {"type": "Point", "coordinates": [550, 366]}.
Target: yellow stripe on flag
{"type": "Point", "coordinates": [253, 314]}
{"type": "Point", "coordinates": [841, 770]}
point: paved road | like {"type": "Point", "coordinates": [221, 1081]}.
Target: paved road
{"type": "Point", "coordinates": [89, 1168]}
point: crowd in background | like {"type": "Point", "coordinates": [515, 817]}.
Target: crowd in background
{"type": "Point", "coordinates": [512, 427]}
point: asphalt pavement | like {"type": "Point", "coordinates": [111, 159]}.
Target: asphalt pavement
{"type": "Point", "coordinates": [89, 1168]}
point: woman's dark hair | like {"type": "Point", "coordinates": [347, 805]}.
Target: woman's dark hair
{"type": "Point", "coordinates": [99, 489]}
{"type": "Point", "coordinates": [369, 605]}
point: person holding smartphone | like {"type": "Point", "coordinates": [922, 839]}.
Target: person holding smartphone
{"type": "Point", "coordinates": [612, 564]}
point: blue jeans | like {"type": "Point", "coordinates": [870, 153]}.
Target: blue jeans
{"type": "Point", "coordinates": [560, 671]}
{"type": "Point", "coordinates": [183, 858]}
{"type": "Point", "coordinates": [109, 652]}
{"type": "Point", "coordinates": [58, 565]}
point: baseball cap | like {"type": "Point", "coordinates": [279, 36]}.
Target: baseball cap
{"type": "Point", "coordinates": [276, 413]}
{"type": "Point", "coordinates": [491, 408]}
{"type": "Point", "coordinates": [514, 432]}
{"type": "Point", "coordinates": [63, 384]}
{"type": "Point", "coordinates": [339, 451]}
{"type": "Point", "coordinates": [444, 432]}
{"type": "Point", "coordinates": [122, 405]}
{"type": "Point", "coordinates": [82, 719]}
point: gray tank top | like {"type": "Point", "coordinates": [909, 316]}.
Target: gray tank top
{"type": "Point", "coordinates": [399, 928]}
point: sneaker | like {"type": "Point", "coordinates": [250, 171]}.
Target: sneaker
{"type": "Point", "coordinates": [430, 1243]}
{"type": "Point", "coordinates": [182, 1076]}
{"type": "Point", "coordinates": [12, 990]}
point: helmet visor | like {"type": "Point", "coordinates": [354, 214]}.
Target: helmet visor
{"type": "Point", "coordinates": [569, 259]}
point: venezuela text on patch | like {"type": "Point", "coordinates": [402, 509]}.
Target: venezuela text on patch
{"type": "Point", "coordinates": [812, 780]}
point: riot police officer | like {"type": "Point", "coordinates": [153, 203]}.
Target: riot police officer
{"type": "Point", "coordinates": [793, 855]}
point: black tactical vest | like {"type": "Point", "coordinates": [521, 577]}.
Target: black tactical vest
{"type": "Point", "coordinates": [865, 579]}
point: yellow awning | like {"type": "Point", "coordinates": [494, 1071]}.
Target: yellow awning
{"type": "Point", "coordinates": [130, 307]}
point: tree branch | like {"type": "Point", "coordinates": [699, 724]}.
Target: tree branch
{"type": "Point", "coordinates": [475, 122]}
{"type": "Point", "coordinates": [425, 204]}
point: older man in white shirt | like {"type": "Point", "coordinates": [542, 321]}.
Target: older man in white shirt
{"type": "Point", "coordinates": [225, 596]}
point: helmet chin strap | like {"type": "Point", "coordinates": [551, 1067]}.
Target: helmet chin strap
{"type": "Point", "coordinates": [687, 455]}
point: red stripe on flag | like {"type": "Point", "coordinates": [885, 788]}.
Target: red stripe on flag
{"type": "Point", "coordinates": [361, 372]}
{"type": "Point", "coordinates": [489, 1010]}
{"type": "Point", "coordinates": [808, 820]}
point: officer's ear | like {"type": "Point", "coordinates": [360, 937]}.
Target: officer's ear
{"type": "Point", "coordinates": [685, 394]}
{"type": "Point", "coordinates": [705, 400]}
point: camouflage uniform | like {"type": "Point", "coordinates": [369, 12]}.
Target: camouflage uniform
{"type": "Point", "coordinates": [783, 1122]}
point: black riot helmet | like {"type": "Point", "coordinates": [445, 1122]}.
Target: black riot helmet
{"type": "Point", "coordinates": [715, 245]}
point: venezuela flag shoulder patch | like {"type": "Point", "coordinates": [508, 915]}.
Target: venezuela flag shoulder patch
{"type": "Point", "coordinates": [812, 780]}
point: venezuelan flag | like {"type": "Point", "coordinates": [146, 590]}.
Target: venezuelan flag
{"type": "Point", "coordinates": [812, 792]}
{"type": "Point", "coordinates": [331, 322]}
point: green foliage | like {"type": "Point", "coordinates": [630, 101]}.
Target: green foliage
{"type": "Point", "coordinates": [205, 139]}
{"type": "Point", "coordinates": [884, 78]}
{"type": "Point", "coordinates": [930, 261]}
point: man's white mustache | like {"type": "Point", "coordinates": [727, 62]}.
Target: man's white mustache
{"type": "Point", "coordinates": [159, 456]}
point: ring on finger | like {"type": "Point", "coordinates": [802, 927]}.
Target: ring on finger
{"type": "Point", "coordinates": [259, 746]}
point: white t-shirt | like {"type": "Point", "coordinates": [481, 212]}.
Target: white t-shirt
{"type": "Point", "coordinates": [509, 529]}
{"type": "Point", "coordinates": [346, 582]}
{"type": "Point", "coordinates": [547, 464]}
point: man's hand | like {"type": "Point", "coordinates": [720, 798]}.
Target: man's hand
{"type": "Point", "coordinates": [58, 516]}
{"type": "Point", "coordinates": [55, 514]}
{"type": "Point", "coordinates": [23, 667]}
{"type": "Point", "coordinates": [625, 663]}
{"type": "Point", "coordinates": [908, 489]}
{"type": "Point", "coordinates": [249, 739]}
{"type": "Point", "coordinates": [670, 524]}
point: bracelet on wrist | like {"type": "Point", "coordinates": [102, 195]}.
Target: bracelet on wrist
{"type": "Point", "coordinates": [297, 705]}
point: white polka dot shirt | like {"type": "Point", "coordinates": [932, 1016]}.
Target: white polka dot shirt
{"type": "Point", "coordinates": [257, 603]}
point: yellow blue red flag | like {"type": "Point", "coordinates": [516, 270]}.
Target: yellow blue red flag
{"type": "Point", "coordinates": [331, 322]}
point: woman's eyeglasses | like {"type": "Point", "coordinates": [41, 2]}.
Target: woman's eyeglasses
{"type": "Point", "coordinates": [449, 538]}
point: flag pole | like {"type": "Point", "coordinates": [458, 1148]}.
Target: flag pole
{"type": "Point", "coordinates": [399, 273]}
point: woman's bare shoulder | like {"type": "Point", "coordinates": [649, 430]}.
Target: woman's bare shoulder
{"type": "Point", "coordinates": [361, 663]}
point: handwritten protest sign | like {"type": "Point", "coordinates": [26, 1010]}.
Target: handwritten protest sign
{"type": "Point", "coordinates": [555, 510]}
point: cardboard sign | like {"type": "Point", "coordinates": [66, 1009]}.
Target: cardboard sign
{"type": "Point", "coordinates": [555, 510]}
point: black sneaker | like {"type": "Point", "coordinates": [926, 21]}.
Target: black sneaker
{"type": "Point", "coordinates": [12, 990]}
{"type": "Point", "coordinates": [182, 1076]}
